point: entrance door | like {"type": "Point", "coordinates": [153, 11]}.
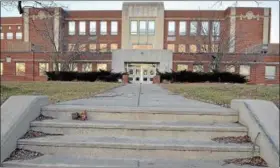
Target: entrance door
{"type": "Point", "coordinates": [141, 73]}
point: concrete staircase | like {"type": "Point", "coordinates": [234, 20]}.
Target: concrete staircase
{"type": "Point", "coordinates": [120, 137]}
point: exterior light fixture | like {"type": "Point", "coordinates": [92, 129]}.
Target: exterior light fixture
{"type": "Point", "coordinates": [8, 59]}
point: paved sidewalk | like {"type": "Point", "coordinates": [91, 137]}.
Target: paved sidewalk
{"type": "Point", "coordinates": [140, 95]}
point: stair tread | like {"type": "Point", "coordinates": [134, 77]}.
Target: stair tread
{"type": "Point", "coordinates": [84, 161]}
{"type": "Point", "coordinates": [179, 125]}
{"type": "Point", "coordinates": [134, 143]}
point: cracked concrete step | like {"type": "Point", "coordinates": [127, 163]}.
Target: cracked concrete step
{"type": "Point", "coordinates": [208, 115]}
{"type": "Point", "coordinates": [136, 147]}
{"type": "Point", "coordinates": [59, 161]}
{"type": "Point", "coordinates": [160, 129]}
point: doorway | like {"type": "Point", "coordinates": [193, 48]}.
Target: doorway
{"type": "Point", "coordinates": [141, 72]}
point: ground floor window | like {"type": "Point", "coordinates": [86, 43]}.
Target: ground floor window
{"type": "Point", "coordinates": [73, 67]}
{"type": "Point", "coordinates": [230, 68]}
{"type": "Point", "coordinates": [20, 69]}
{"type": "Point", "coordinates": [182, 67]}
{"type": "Point", "coordinates": [1, 68]}
{"type": "Point", "coordinates": [270, 72]}
{"type": "Point", "coordinates": [102, 67]}
{"type": "Point", "coordinates": [59, 66]}
{"type": "Point", "coordinates": [171, 47]}
{"type": "Point", "coordinates": [245, 70]}
{"type": "Point", "coordinates": [43, 67]}
{"type": "Point", "coordinates": [87, 67]}
{"type": "Point", "coordinates": [198, 68]}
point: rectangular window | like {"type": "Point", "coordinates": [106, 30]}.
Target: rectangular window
{"type": "Point", "coordinates": [1, 68]}
{"type": "Point", "coordinates": [204, 28]}
{"type": "Point", "coordinates": [59, 66]}
{"type": "Point", "coordinates": [151, 27]}
{"type": "Point", "coordinates": [102, 67]}
{"type": "Point", "coordinates": [245, 70]}
{"type": "Point", "coordinates": [215, 48]}
{"type": "Point", "coordinates": [82, 28]}
{"type": "Point", "coordinates": [183, 28]}
{"type": "Point", "coordinates": [2, 36]}
{"type": "Point", "coordinates": [92, 27]}
{"type": "Point", "coordinates": [73, 67]}
{"type": "Point", "coordinates": [114, 28]}
{"type": "Point", "coordinates": [71, 47]}
{"type": "Point", "coordinates": [182, 67]}
{"type": "Point", "coordinates": [92, 47]}
{"type": "Point", "coordinates": [20, 69]}
{"type": "Point", "coordinates": [114, 47]}
{"type": "Point", "coordinates": [216, 28]}
{"type": "Point", "coordinates": [182, 48]}
{"type": "Point", "coordinates": [133, 28]}
{"type": "Point", "coordinates": [193, 28]}
{"type": "Point", "coordinates": [82, 47]}
{"type": "Point", "coordinates": [198, 68]}
{"type": "Point", "coordinates": [10, 36]}
{"type": "Point", "coordinates": [43, 68]}
{"type": "Point", "coordinates": [270, 72]}
{"type": "Point", "coordinates": [143, 27]}
{"type": "Point", "coordinates": [204, 48]}
{"type": "Point", "coordinates": [71, 27]}
{"type": "Point", "coordinates": [87, 67]}
{"type": "Point", "coordinates": [18, 35]}
{"type": "Point", "coordinates": [171, 28]}
{"type": "Point", "coordinates": [193, 48]}
{"type": "Point", "coordinates": [103, 27]}
{"type": "Point", "coordinates": [103, 48]}
{"type": "Point", "coordinates": [230, 68]}
{"type": "Point", "coordinates": [171, 47]}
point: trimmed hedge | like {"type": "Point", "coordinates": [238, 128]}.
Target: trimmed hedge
{"type": "Point", "coordinates": [105, 76]}
{"type": "Point", "coordinates": [189, 76]}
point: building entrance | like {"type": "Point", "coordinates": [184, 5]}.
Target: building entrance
{"type": "Point", "coordinates": [141, 73]}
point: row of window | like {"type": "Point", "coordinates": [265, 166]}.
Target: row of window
{"type": "Point", "coordinates": [204, 28]}
{"type": "Point", "coordinates": [10, 27]}
{"type": "Point", "coordinates": [10, 36]}
{"type": "Point", "coordinates": [193, 48]}
{"type": "Point", "coordinates": [270, 71]}
{"type": "Point", "coordinates": [92, 28]}
{"type": "Point", "coordinates": [142, 27]}
{"type": "Point", "coordinates": [43, 67]}
{"type": "Point", "coordinates": [92, 47]}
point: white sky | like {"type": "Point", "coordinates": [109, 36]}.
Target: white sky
{"type": "Point", "coordinates": [172, 5]}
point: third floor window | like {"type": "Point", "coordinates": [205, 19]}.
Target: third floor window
{"type": "Point", "coordinates": [103, 27]}
{"type": "Point", "coordinates": [92, 27]}
{"type": "Point", "coordinates": [193, 28]}
{"type": "Point", "coordinates": [151, 27]}
{"type": "Point", "coordinates": [133, 27]}
{"type": "Point", "coordinates": [204, 28]}
{"type": "Point", "coordinates": [82, 28]}
{"type": "Point", "coordinates": [143, 27]}
{"type": "Point", "coordinates": [71, 27]}
{"type": "Point", "coordinates": [183, 28]}
{"type": "Point", "coordinates": [171, 28]}
{"type": "Point", "coordinates": [114, 28]}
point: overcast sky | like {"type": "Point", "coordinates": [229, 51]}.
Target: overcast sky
{"type": "Point", "coordinates": [172, 5]}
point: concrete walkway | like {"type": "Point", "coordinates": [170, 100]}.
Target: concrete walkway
{"type": "Point", "coordinates": [140, 95]}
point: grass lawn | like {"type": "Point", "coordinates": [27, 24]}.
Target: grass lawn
{"type": "Point", "coordinates": [57, 91]}
{"type": "Point", "coordinates": [222, 94]}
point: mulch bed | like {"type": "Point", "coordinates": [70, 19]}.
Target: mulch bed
{"type": "Point", "coordinates": [253, 161]}
{"type": "Point", "coordinates": [42, 117]}
{"type": "Point", "coordinates": [22, 154]}
{"type": "Point", "coordinates": [239, 139]}
{"type": "Point", "coordinates": [35, 134]}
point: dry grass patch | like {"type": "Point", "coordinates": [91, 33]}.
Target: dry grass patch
{"type": "Point", "coordinates": [57, 91]}
{"type": "Point", "coordinates": [222, 94]}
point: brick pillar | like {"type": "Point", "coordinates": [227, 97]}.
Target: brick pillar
{"type": "Point", "coordinates": [156, 79]}
{"type": "Point", "coordinates": [125, 78]}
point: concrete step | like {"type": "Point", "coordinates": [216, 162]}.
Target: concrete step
{"type": "Point", "coordinates": [160, 129]}
{"type": "Point", "coordinates": [136, 147]}
{"type": "Point", "coordinates": [59, 161]}
{"type": "Point", "coordinates": [207, 115]}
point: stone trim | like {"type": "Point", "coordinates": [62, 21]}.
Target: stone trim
{"type": "Point", "coordinates": [26, 24]}
{"type": "Point", "coordinates": [84, 19]}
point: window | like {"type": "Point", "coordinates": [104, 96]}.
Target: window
{"type": "Point", "coordinates": [183, 28]}
{"type": "Point", "coordinates": [10, 27]}
{"type": "Point", "coordinates": [18, 27]}
{"type": "Point", "coordinates": [103, 48]}
{"type": "Point", "coordinates": [71, 47]}
{"type": "Point", "coordinates": [151, 27]}
{"type": "Point", "coordinates": [133, 27]}
{"type": "Point", "coordinates": [216, 28]}
{"type": "Point", "coordinates": [2, 36]}
{"type": "Point", "coordinates": [102, 67]}
{"type": "Point", "coordinates": [43, 67]}
{"type": "Point", "coordinates": [114, 28]}
{"type": "Point", "coordinates": [198, 68]}
{"type": "Point", "coordinates": [92, 27]}
{"type": "Point", "coordinates": [171, 47]}
{"type": "Point", "coordinates": [193, 48]}
{"type": "Point", "coordinates": [92, 47]}
{"type": "Point", "coordinates": [143, 27]}
{"type": "Point", "coordinates": [73, 67]}
{"type": "Point", "coordinates": [204, 48]}
{"type": "Point", "coordinates": [204, 28]}
{"type": "Point", "coordinates": [114, 47]}
{"type": "Point", "coordinates": [20, 69]}
{"type": "Point", "coordinates": [82, 47]}
{"type": "Point", "coordinates": [171, 28]}
{"type": "Point", "coordinates": [215, 48]}
{"type": "Point", "coordinates": [182, 67]}
{"type": "Point", "coordinates": [10, 35]}
{"type": "Point", "coordinates": [54, 66]}
{"type": "Point", "coordinates": [71, 28]}
{"type": "Point", "coordinates": [82, 28]}
{"type": "Point", "coordinates": [230, 68]}
{"type": "Point", "coordinates": [18, 35]}
{"type": "Point", "coordinates": [182, 48]}
{"type": "Point", "coordinates": [270, 72]}
{"type": "Point", "coordinates": [142, 47]}
{"type": "Point", "coordinates": [103, 27]}
{"type": "Point", "coordinates": [245, 70]}
{"type": "Point", "coordinates": [193, 29]}
{"type": "Point", "coordinates": [87, 67]}
{"type": "Point", "coordinates": [1, 68]}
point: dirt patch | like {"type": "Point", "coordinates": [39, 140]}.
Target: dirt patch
{"type": "Point", "coordinates": [35, 134]}
{"type": "Point", "coordinates": [253, 161]}
{"type": "Point", "coordinates": [238, 139]}
{"type": "Point", "coordinates": [42, 117]}
{"type": "Point", "coordinates": [21, 154]}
